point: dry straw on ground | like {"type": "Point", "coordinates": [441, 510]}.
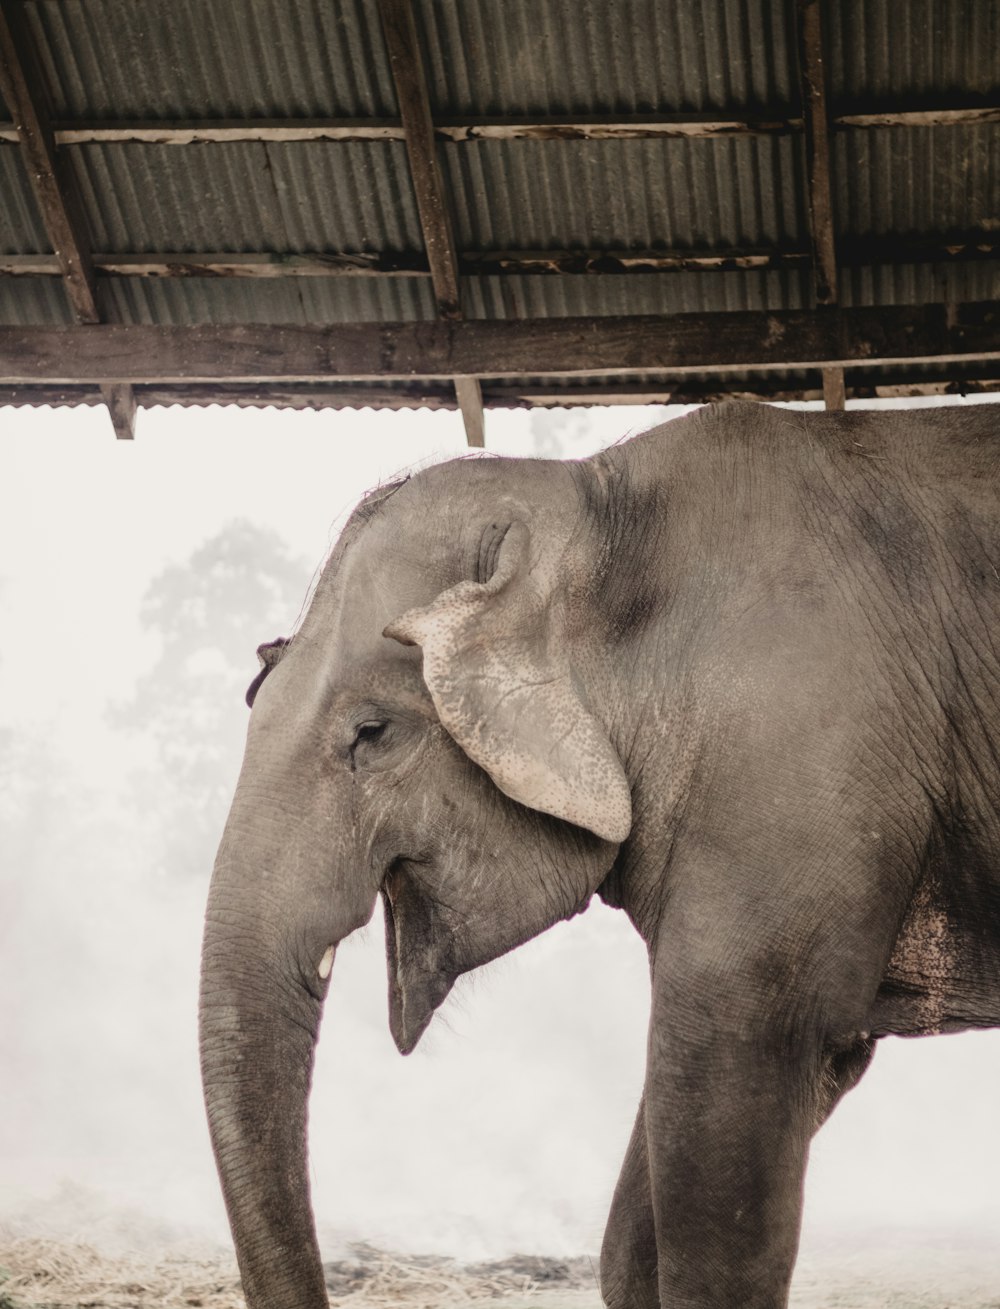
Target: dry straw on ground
{"type": "Point", "coordinates": [44, 1274]}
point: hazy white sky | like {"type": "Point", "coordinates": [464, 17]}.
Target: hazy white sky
{"type": "Point", "coordinates": [506, 1127]}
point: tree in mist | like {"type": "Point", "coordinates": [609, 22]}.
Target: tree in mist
{"type": "Point", "coordinates": [556, 432]}
{"type": "Point", "coordinates": [239, 588]}
{"type": "Point", "coordinates": [569, 433]}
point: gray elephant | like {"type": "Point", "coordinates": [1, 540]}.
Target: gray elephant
{"type": "Point", "coordinates": [739, 676]}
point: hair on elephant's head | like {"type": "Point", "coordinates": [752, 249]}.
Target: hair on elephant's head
{"type": "Point", "coordinates": [437, 733]}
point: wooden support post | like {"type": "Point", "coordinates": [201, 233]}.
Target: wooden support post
{"type": "Point", "coordinates": [815, 113]}
{"type": "Point", "coordinates": [120, 400]}
{"type": "Point", "coordinates": [400, 30]}
{"type": "Point", "coordinates": [834, 392]}
{"type": "Point", "coordinates": [23, 88]}
{"type": "Point", "coordinates": [469, 394]}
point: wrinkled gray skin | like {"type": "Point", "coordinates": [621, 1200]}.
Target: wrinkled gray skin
{"type": "Point", "coordinates": [739, 677]}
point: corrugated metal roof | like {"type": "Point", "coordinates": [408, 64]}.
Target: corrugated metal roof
{"type": "Point", "coordinates": [112, 60]}
{"type": "Point", "coordinates": [34, 302]}
{"type": "Point", "coordinates": [296, 197]}
{"type": "Point", "coordinates": [931, 180]}
{"type": "Point", "coordinates": [625, 194]}
{"type": "Point", "coordinates": [226, 59]}
{"type": "Point", "coordinates": [549, 57]}
{"type": "Point", "coordinates": [884, 50]}
{"type": "Point", "coordinates": [21, 227]}
{"type": "Point", "coordinates": [270, 300]}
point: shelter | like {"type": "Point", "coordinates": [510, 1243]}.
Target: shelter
{"type": "Point", "coordinates": [496, 202]}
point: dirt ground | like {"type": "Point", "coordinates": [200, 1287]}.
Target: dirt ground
{"type": "Point", "coordinates": [48, 1274]}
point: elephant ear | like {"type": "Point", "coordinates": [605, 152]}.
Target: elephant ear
{"type": "Point", "coordinates": [500, 678]}
{"type": "Point", "coordinates": [268, 655]}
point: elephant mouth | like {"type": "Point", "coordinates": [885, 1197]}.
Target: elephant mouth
{"type": "Point", "coordinates": [418, 981]}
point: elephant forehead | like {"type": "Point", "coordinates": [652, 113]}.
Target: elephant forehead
{"type": "Point", "coordinates": [372, 585]}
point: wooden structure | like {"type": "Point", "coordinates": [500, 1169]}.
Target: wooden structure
{"type": "Point", "coordinates": [496, 202]}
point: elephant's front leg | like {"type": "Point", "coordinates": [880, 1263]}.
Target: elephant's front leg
{"type": "Point", "coordinates": [752, 996]}
{"type": "Point", "coordinates": [729, 1116]}
{"type": "Point", "coordinates": [628, 1253]}
{"type": "Point", "coordinates": [629, 1273]}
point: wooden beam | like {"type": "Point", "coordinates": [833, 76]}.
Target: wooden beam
{"type": "Point", "coordinates": [506, 348]}
{"type": "Point", "coordinates": [214, 131]}
{"type": "Point", "coordinates": [399, 28]}
{"type": "Point", "coordinates": [23, 89]}
{"type": "Point", "coordinates": [469, 395]}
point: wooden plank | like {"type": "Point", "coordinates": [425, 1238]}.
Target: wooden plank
{"type": "Point", "coordinates": [283, 131]}
{"type": "Point", "coordinates": [223, 264]}
{"type": "Point", "coordinates": [469, 395]}
{"type": "Point", "coordinates": [639, 127]}
{"type": "Point", "coordinates": [222, 131]}
{"type": "Point", "coordinates": [952, 380]}
{"type": "Point", "coordinates": [854, 252]}
{"type": "Point", "coordinates": [490, 263]}
{"type": "Point", "coordinates": [211, 131]}
{"type": "Point", "coordinates": [400, 32]}
{"type": "Point", "coordinates": [965, 116]}
{"type": "Point", "coordinates": [23, 89]}
{"type": "Point", "coordinates": [715, 342]}
{"type": "Point", "coordinates": [389, 264]}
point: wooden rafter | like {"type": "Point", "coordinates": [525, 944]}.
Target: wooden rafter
{"type": "Point", "coordinates": [200, 131]}
{"type": "Point", "coordinates": [23, 88]}
{"type": "Point", "coordinates": [399, 27]}
{"type": "Point", "coordinates": [820, 188]}
{"type": "Point", "coordinates": [400, 31]}
{"type": "Point", "coordinates": [506, 348]}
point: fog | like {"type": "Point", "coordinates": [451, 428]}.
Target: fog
{"type": "Point", "coordinates": [135, 581]}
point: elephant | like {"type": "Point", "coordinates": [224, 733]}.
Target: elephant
{"type": "Point", "coordinates": [737, 676]}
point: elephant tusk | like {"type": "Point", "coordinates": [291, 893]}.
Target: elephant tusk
{"type": "Point", "coordinates": [326, 963]}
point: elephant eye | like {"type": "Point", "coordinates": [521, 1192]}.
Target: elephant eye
{"type": "Point", "coordinates": [367, 733]}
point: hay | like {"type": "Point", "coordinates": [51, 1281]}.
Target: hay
{"type": "Point", "coordinates": [58, 1275]}
{"type": "Point", "coordinates": [46, 1274]}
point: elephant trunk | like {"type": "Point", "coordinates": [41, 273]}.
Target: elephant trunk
{"type": "Point", "coordinates": [256, 1092]}
{"type": "Point", "coordinates": [265, 962]}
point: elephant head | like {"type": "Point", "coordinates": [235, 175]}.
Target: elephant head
{"type": "Point", "coordinates": [442, 732]}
